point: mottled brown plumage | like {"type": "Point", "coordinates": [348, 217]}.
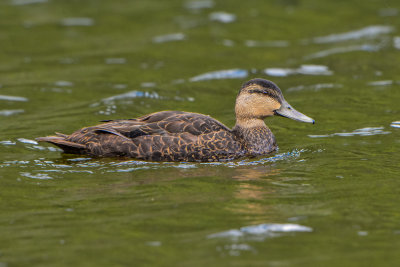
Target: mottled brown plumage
{"type": "Point", "coordinates": [184, 136]}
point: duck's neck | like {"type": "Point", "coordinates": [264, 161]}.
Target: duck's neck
{"type": "Point", "coordinates": [255, 136]}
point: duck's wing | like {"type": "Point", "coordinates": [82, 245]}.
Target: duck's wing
{"type": "Point", "coordinates": [162, 123]}
{"type": "Point", "coordinates": [156, 136]}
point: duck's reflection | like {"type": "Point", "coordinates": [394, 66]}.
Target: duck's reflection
{"type": "Point", "coordinates": [251, 191]}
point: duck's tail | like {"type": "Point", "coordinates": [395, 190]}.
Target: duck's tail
{"type": "Point", "coordinates": [67, 146]}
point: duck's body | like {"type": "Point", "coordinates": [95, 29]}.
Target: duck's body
{"type": "Point", "coordinates": [184, 136]}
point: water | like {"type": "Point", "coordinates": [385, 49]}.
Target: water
{"type": "Point", "coordinates": [328, 197]}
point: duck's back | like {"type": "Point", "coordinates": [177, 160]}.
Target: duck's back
{"type": "Point", "coordinates": [160, 136]}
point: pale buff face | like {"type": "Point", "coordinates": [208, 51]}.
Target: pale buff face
{"type": "Point", "coordinates": [253, 105]}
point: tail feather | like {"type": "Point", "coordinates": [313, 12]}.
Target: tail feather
{"type": "Point", "coordinates": [67, 146]}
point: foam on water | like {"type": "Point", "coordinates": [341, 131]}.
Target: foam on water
{"type": "Point", "coordinates": [367, 131]}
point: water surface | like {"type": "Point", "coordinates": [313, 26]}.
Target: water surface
{"type": "Point", "coordinates": [328, 197]}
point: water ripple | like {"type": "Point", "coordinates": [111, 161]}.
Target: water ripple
{"type": "Point", "coordinates": [199, 4]}
{"type": "Point", "coordinates": [277, 43]}
{"type": "Point", "coordinates": [27, 141]}
{"type": "Point", "coordinates": [367, 32]}
{"type": "Point", "coordinates": [303, 69]}
{"type": "Point", "coordinates": [315, 87]}
{"type": "Point", "coordinates": [221, 74]}
{"type": "Point", "coordinates": [13, 98]}
{"type": "Point", "coordinates": [10, 112]}
{"type": "Point", "coordinates": [345, 49]}
{"type": "Point", "coordinates": [262, 230]}
{"type": "Point", "coordinates": [132, 94]}
{"type": "Point", "coordinates": [64, 83]}
{"type": "Point", "coordinates": [367, 131]}
{"type": "Point", "coordinates": [395, 124]}
{"type": "Point", "coordinates": [41, 176]}
{"type": "Point", "coordinates": [396, 42]}
{"type": "Point", "coordinates": [26, 2]}
{"type": "Point", "coordinates": [169, 37]}
{"type": "Point", "coordinates": [77, 22]}
{"type": "Point", "coordinates": [223, 17]}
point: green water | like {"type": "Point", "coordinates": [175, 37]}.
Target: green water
{"type": "Point", "coordinates": [335, 185]}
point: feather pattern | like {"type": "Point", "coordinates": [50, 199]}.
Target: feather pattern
{"type": "Point", "coordinates": [183, 136]}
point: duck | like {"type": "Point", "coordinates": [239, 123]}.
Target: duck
{"type": "Point", "coordinates": [187, 136]}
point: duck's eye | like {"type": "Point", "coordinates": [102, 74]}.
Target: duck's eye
{"type": "Point", "coordinates": [289, 107]}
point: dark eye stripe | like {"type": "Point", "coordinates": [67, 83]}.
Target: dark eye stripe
{"type": "Point", "coordinates": [262, 92]}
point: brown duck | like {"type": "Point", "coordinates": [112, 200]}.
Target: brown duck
{"type": "Point", "coordinates": [184, 136]}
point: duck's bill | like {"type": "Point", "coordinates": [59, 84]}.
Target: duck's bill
{"type": "Point", "coordinates": [286, 110]}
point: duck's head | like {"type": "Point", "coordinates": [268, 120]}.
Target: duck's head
{"type": "Point", "coordinates": [259, 98]}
